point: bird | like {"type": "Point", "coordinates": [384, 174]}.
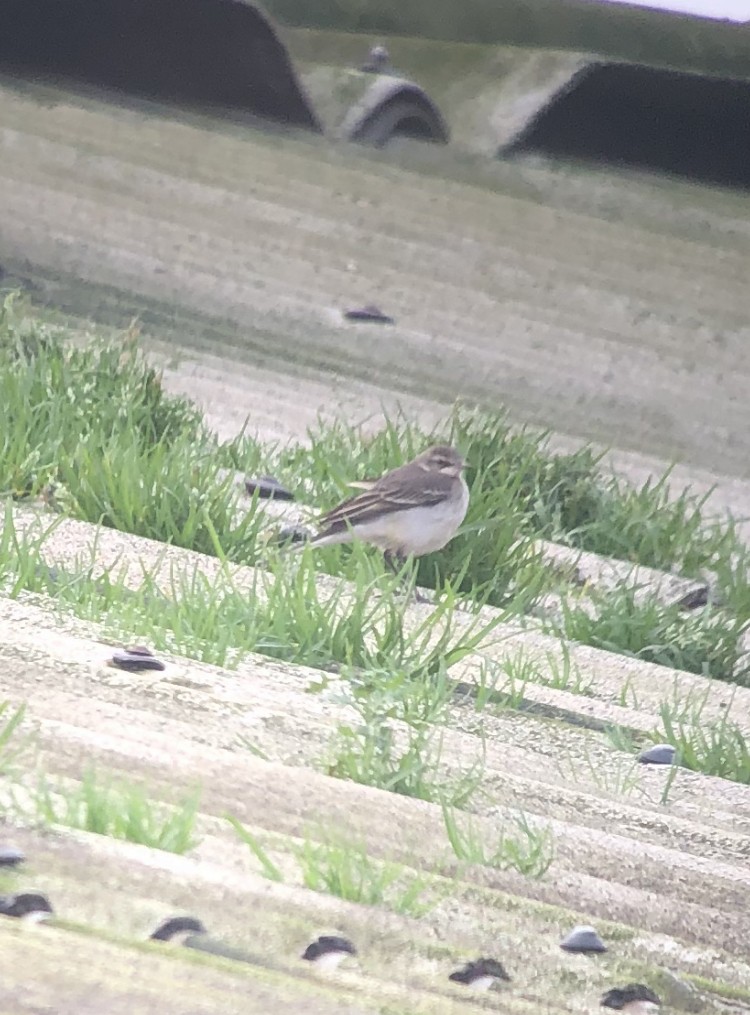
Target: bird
{"type": "Point", "coordinates": [412, 510]}
{"type": "Point", "coordinates": [635, 999]}
{"type": "Point", "coordinates": [327, 951]}
{"type": "Point", "coordinates": [31, 907]}
{"type": "Point", "coordinates": [481, 974]}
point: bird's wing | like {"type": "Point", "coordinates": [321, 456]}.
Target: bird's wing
{"type": "Point", "coordinates": [406, 487]}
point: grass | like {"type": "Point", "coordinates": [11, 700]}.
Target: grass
{"type": "Point", "coordinates": [95, 804]}
{"type": "Point", "coordinates": [713, 746]}
{"type": "Point", "coordinates": [119, 810]}
{"type": "Point", "coordinates": [562, 673]}
{"type": "Point", "coordinates": [721, 990]}
{"type": "Point", "coordinates": [651, 526]}
{"type": "Point", "coordinates": [283, 612]}
{"type": "Point", "coordinates": [268, 867]}
{"type": "Point", "coordinates": [521, 491]}
{"type": "Point", "coordinates": [13, 746]}
{"type": "Point", "coordinates": [91, 431]}
{"type": "Point", "coordinates": [524, 848]}
{"type": "Point", "coordinates": [397, 744]}
{"type": "Point", "coordinates": [619, 778]}
{"type": "Point", "coordinates": [707, 641]}
{"type": "Point", "coordinates": [504, 680]}
{"type": "Point", "coordinates": [347, 871]}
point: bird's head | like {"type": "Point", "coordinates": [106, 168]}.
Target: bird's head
{"type": "Point", "coordinates": [443, 458]}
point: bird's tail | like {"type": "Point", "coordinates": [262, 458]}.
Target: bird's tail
{"type": "Point", "coordinates": [293, 539]}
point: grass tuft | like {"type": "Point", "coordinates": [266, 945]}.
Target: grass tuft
{"type": "Point", "coordinates": [397, 744]}
{"type": "Point", "coordinates": [708, 641]}
{"type": "Point", "coordinates": [348, 872]}
{"type": "Point", "coordinates": [504, 680]}
{"type": "Point", "coordinates": [524, 848]}
{"type": "Point", "coordinates": [121, 811]}
{"type": "Point", "coordinates": [716, 746]}
{"type": "Point", "coordinates": [90, 428]}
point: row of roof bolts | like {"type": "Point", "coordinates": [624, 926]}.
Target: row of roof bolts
{"type": "Point", "coordinates": [136, 658]}
{"type": "Point", "coordinates": [327, 951]}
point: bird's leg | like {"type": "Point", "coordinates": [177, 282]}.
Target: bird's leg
{"type": "Point", "coordinates": [395, 562]}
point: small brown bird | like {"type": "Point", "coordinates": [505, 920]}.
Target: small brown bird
{"type": "Point", "coordinates": [412, 510]}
